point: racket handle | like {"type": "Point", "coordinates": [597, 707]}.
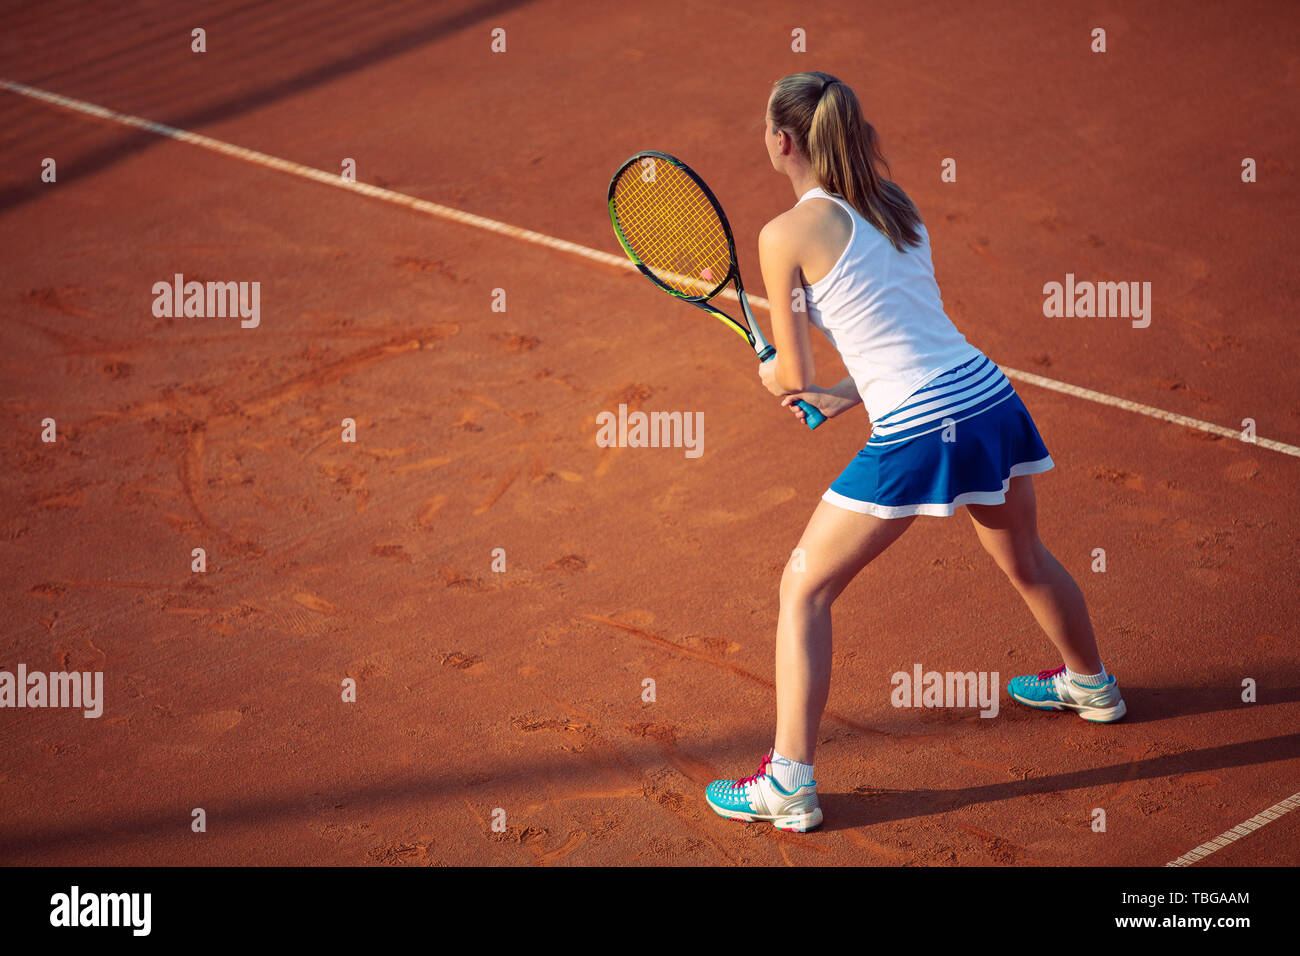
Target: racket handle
{"type": "Point", "coordinates": [812, 417]}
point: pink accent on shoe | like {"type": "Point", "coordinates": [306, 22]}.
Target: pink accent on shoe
{"type": "Point", "coordinates": [762, 772]}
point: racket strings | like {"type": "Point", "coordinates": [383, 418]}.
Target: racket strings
{"type": "Point", "coordinates": [673, 228]}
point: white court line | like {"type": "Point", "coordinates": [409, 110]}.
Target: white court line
{"type": "Point", "coordinates": [562, 245]}
{"type": "Point", "coordinates": [1229, 837]}
{"type": "Point", "coordinates": [1149, 410]}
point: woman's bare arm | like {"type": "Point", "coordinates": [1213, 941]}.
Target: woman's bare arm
{"type": "Point", "coordinates": [777, 256]}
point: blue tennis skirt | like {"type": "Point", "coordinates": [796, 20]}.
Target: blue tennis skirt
{"type": "Point", "coordinates": [958, 440]}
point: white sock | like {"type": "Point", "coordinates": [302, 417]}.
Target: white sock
{"type": "Point", "coordinates": [1087, 680]}
{"type": "Point", "coordinates": [790, 774]}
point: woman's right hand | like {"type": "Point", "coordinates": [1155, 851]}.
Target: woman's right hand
{"type": "Point", "coordinates": [826, 402]}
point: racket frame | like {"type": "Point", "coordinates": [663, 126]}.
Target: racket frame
{"type": "Point", "coordinates": [750, 331]}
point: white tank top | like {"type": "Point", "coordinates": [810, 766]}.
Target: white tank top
{"type": "Point", "coordinates": [882, 311]}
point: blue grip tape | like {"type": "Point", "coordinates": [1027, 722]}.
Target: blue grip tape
{"type": "Point", "coordinates": [813, 417]}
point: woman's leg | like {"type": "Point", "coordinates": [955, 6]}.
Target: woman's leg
{"type": "Point", "coordinates": [835, 546]}
{"type": "Point", "coordinates": [1009, 532]}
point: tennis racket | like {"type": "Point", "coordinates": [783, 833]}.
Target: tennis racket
{"type": "Point", "coordinates": [674, 230]}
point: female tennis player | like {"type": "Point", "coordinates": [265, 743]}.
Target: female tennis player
{"type": "Point", "coordinates": [948, 431]}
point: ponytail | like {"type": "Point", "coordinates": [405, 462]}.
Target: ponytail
{"type": "Point", "coordinates": [824, 118]}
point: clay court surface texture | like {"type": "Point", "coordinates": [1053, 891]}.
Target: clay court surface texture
{"type": "Point", "coordinates": [521, 690]}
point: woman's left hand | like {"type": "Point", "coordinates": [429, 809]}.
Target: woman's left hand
{"type": "Point", "coordinates": [767, 374]}
{"type": "Point", "coordinates": [822, 399]}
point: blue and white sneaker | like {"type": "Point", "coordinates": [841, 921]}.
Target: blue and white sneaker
{"type": "Point", "coordinates": [1053, 690]}
{"type": "Point", "coordinates": [760, 799]}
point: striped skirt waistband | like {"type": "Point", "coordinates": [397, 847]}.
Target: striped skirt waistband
{"type": "Point", "coordinates": [962, 393]}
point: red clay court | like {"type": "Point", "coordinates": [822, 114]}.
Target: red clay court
{"type": "Point", "coordinates": [521, 690]}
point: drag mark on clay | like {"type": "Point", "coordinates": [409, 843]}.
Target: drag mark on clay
{"type": "Point", "coordinates": [459, 660]}
{"type": "Point", "coordinates": [470, 807]}
{"type": "Point", "coordinates": [468, 420]}
{"type": "Point", "coordinates": [69, 496]}
{"type": "Point", "coordinates": [999, 849]}
{"type": "Point", "coordinates": [678, 648]}
{"type": "Point", "coordinates": [496, 494]}
{"type": "Point", "coordinates": [738, 671]}
{"type": "Point", "coordinates": [635, 774]}
{"type": "Point", "coordinates": [879, 849]}
{"type": "Point", "coordinates": [568, 564]}
{"type": "Point", "coordinates": [384, 454]}
{"type": "Point", "coordinates": [665, 735]}
{"type": "Point", "coordinates": [533, 839]}
{"type": "Point", "coordinates": [545, 376]}
{"type": "Point", "coordinates": [331, 372]}
{"type": "Point", "coordinates": [60, 301]}
{"type": "Point", "coordinates": [424, 518]}
{"type": "Point", "coordinates": [973, 762]}
{"type": "Point", "coordinates": [531, 723]}
{"type": "Point", "coordinates": [412, 264]}
{"type": "Point", "coordinates": [424, 465]}
{"type": "Point", "coordinates": [458, 579]}
{"type": "Point", "coordinates": [395, 853]}
{"type": "Point", "coordinates": [1126, 783]}
{"type": "Point", "coordinates": [764, 501]}
{"type": "Point", "coordinates": [575, 840]}
{"type": "Point", "coordinates": [515, 342]}
{"type": "Point", "coordinates": [981, 248]}
{"type": "Point", "coordinates": [190, 469]}
{"type": "Point", "coordinates": [632, 396]}
{"type": "Point", "coordinates": [482, 399]}
{"type": "Point", "coordinates": [314, 603]}
{"type": "Point", "coordinates": [802, 841]}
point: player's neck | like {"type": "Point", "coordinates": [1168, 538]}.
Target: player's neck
{"type": "Point", "coordinates": [802, 180]}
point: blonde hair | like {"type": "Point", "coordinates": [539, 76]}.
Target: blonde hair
{"type": "Point", "coordinates": [823, 117]}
